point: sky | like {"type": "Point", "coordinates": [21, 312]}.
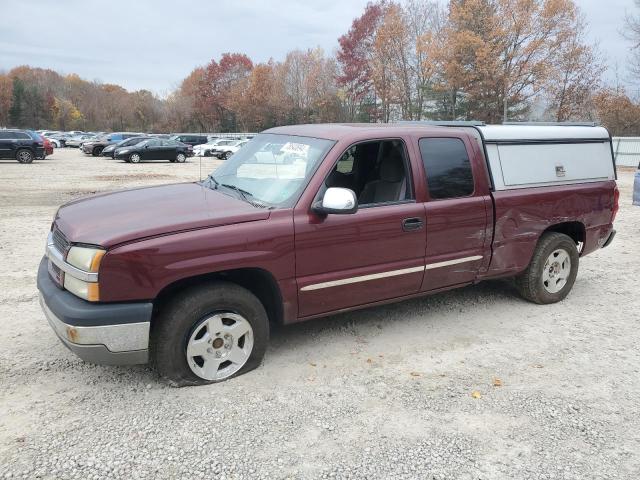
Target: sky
{"type": "Point", "coordinates": [154, 44]}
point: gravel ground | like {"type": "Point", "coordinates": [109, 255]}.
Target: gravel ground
{"type": "Point", "coordinates": [470, 384]}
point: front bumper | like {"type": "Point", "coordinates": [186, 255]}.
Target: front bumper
{"type": "Point", "coordinates": [108, 333]}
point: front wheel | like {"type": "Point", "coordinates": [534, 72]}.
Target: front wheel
{"type": "Point", "coordinates": [227, 155]}
{"type": "Point", "coordinates": [96, 151]}
{"type": "Point", "coordinates": [208, 334]}
{"type": "Point", "coordinates": [134, 158]}
{"type": "Point", "coordinates": [552, 272]}
{"type": "Point", "coordinates": [181, 157]}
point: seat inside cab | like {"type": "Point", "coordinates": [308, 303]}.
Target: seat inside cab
{"type": "Point", "coordinates": [376, 171]}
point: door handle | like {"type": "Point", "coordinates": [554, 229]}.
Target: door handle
{"type": "Point", "coordinates": [411, 224]}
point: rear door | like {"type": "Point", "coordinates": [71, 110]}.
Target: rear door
{"type": "Point", "coordinates": [168, 150]}
{"type": "Point", "coordinates": [458, 211]}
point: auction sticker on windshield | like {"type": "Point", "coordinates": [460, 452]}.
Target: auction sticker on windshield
{"type": "Point", "coordinates": [297, 148]}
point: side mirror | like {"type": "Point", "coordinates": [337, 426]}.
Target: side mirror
{"type": "Point", "coordinates": [337, 201]}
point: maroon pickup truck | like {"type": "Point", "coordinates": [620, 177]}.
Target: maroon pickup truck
{"type": "Point", "coordinates": [306, 221]}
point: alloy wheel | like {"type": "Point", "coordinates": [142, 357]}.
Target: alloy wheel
{"type": "Point", "coordinates": [219, 346]}
{"type": "Point", "coordinates": [556, 271]}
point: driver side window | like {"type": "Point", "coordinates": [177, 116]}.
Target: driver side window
{"type": "Point", "coordinates": [378, 172]}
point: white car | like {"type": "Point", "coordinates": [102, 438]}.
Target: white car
{"type": "Point", "coordinates": [54, 141]}
{"type": "Point", "coordinates": [225, 150]}
{"type": "Point", "coordinates": [205, 149]}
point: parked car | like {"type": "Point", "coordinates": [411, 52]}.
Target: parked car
{"type": "Point", "coordinates": [109, 150]}
{"type": "Point", "coordinates": [224, 150]}
{"type": "Point", "coordinates": [190, 138]}
{"type": "Point", "coordinates": [155, 149]}
{"type": "Point", "coordinates": [55, 142]}
{"type": "Point", "coordinates": [48, 146]}
{"type": "Point", "coordinates": [311, 220]}
{"type": "Point", "coordinates": [76, 140]}
{"type": "Point", "coordinates": [205, 149]}
{"type": "Point", "coordinates": [23, 145]}
{"type": "Point", "coordinates": [95, 146]}
{"type": "Point", "coordinates": [59, 140]}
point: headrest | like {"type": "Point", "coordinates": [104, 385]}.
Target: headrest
{"type": "Point", "coordinates": [391, 167]}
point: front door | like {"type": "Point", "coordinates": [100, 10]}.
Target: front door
{"type": "Point", "coordinates": [152, 150]}
{"type": "Point", "coordinates": [375, 254]}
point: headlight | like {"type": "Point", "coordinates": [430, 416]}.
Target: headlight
{"type": "Point", "coordinates": [124, 150]}
{"type": "Point", "coordinates": [87, 290]}
{"type": "Point", "coordinates": [85, 258]}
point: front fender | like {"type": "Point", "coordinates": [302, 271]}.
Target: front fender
{"type": "Point", "coordinates": [141, 269]}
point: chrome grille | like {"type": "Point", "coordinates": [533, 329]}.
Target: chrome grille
{"type": "Point", "coordinates": [59, 241]}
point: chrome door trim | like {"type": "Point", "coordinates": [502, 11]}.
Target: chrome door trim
{"type": "Point", "coordinates": [390, 273]}
{"type": "Point", "coordinates": [362, 278]}
{"type": "Point", "coordinates": [455, 261]}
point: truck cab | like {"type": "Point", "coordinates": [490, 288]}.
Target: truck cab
{"type": "Point", "coordinates": [307, 221]}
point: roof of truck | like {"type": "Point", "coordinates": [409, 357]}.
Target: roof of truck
{"type": "Point", "coordinates": [338, 131]}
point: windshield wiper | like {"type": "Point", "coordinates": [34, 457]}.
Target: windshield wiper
{"type": "Point", "coordinates": [214, 181]}
{"type": "Point", "coordinates": [243, 193]}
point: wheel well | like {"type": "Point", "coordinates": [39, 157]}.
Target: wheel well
{"type": "Point", "coordinates": [258, 281]}
{"type": "Point", "coordinates": [575, 230]}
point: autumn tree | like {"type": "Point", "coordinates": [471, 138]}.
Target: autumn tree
{"type": "Point", "coordinates": [502, 53]}
{"type": "Point", "coordinates": [212, 96]}
{"type": "Point", "coordinates": [575, 78]}
{"type": "Point", "coordinates": [6, 95]}
{"type": "Point", "coordinates": [632, 33]}
{"type": "Point", "coordinates": [355, 62]}
{"type": "Point", "coordinates": [618, 112]}
{"type": "Point", "coordinates": [65, 115]}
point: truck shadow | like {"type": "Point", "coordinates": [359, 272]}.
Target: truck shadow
{"type": "Point", "coordinates": [427, 310]}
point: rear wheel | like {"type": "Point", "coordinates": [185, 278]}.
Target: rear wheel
{"type": "Point", "coordinates": [209, 334]}
{"type": "Point", "coordinates": [134, 158]}
{"type": "Point", "coordinates": [181, 157]}
{"type": "Point", "coordinates": [24, 156]}
{"type": "Point", "coordinates": [552, 272]}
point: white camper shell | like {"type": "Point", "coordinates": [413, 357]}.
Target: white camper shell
{"type": "Point", "coordinates": [521, 156]}
{"type": "Point", "coordinates": [543, 154]}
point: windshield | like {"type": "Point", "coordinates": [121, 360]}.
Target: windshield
{"type": "Point", "coordinates": [272, 169]}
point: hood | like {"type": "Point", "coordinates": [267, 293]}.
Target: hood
{"type": "Point", "coordinates": [118, 217]}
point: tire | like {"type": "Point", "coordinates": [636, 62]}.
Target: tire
{"type": "Point", "coordinates": [97, 151]}
{"type": "Point", "coordinates": [227, 155]}
{"type": "Point", "coordinates": [24, 155]}
{"type": "Point", "coordinates": [181, 157]}
{"type": "Point", "coordinates": [549, 278]}
{"type": "Point", "coordinates": [134, 158]}
{"type": "Point", "coordinates": [177, 328]}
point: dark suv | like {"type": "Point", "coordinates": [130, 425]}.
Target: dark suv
{"type": "Point", "coordinates": [23, 145]}
{"type": "Point", "coordinates": [190, 138]}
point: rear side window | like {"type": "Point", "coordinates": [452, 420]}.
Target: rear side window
{"type": "Point", "coordinates": [21, 136]}
{"type": "Point", "coordinates": [447, 166]}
